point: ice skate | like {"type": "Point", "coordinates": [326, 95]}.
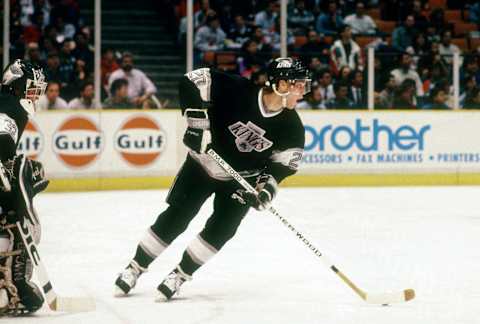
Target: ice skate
{"type": "Point", "coordinates": [127, 279]}
{"type": "Point", "coordinates": [171, 285]}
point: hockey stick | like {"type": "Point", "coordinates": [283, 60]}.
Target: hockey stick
{"type": "Point", "coordinates": [381, 298]}
{"type": "Point", "coordinates": [55, 302]}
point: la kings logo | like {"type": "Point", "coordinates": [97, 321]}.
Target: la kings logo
{"type": "Point", "coordinates": [249, 137]}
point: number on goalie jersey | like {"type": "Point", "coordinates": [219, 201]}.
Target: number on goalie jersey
{"type": "Point", "coordinates": [257, 131]}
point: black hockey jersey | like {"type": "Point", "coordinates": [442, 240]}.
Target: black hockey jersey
{"type": "Point", "coordinates": [248, 137]}
{"type": "Point", "coordinates": [13, 120]}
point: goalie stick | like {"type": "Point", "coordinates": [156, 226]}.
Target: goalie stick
{"type": "Point", "coordinates": [380, 298]}
{"type": "Point", "coordinates": [55, 302]}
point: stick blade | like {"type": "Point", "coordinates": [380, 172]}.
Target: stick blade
{"type": "Point", "coordinates": [391, 298]}
{"type": "Point", "coordinates": [73, 304]}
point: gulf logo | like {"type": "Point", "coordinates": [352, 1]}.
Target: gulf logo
{"type": "Point", "coordinates": [78, 142]}
{"type": "Point", "coordinates": [32, 142]}
{"type": "Point", "coordinates": [140, 141]}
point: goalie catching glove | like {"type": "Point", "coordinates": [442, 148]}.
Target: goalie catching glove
{"type": "Point", "coordinates": [197, 136]}
{"type": "Point", "coordinates": [266, 187]}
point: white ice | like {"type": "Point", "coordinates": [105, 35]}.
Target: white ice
{"type": "Point", "coordinates": [426, 238]}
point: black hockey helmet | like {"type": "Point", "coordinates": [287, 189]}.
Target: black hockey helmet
{"type": "Point", "coordinates": [25, 80]}
{"type": "Point", "coordinates": [288, 69]}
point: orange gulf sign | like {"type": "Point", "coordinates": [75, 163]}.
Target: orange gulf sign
{"type": "Point", "coordinates": [78, 142]}
{"type": "Point", "coordinates": [31, 144]}
{"type": "Point", "coordinates": [140, 141]}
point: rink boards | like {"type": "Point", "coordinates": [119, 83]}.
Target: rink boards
{"type": "Point", "coordinates": [86, 150]}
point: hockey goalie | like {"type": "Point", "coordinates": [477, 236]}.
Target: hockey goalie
{"type": "Point", "coordinates": [20, 180]}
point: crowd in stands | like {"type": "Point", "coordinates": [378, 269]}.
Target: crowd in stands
{"type": "Point", "coordinates": [53, 35]}
{"type": "Point", "coordinates": [414, 43]}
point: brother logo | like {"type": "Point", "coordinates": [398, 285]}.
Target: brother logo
{"type": "Point", "coordinates": [365, 137]}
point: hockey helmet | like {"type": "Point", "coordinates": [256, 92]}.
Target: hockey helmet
{"type": "Point", "coordinates": [25, 80]}
{"type": "Point", "coordinates": [288, 69]}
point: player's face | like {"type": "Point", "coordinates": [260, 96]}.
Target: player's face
{"type": "Point", "coordinates": [297, 90]}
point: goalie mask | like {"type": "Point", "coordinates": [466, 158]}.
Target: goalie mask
{"type": "Point", "coordinates": [25, 80]}
{"type": "Point", "coordinates": [290, 70]}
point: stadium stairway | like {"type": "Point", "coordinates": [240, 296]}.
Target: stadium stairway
{"type": "Point", "coordinates": [138, 27]}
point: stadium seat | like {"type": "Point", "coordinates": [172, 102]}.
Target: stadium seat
{"type": "Point", "coordinates": [362, 41]}
{"type": "Point", "coordinates": [453, 15]}
{"type": "Point", "coordinates": [226, 61]}
{"type": "Point", "coordinates": [438, 3]}
{"type": "Point", "coordinates": [374, 13]}
{"type": "Point", "coordinates": [209, 57]}
{"type": "Point", "coordinates": [462, 28]}
{"type": "Point", "coordinates": [386, 26]}
{"type": "Point", "coordinates": [300, 41]}
{"type": "Point", "coordinates": [461, 43]}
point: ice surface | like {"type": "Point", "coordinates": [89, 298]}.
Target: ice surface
{"type": "Point", "coordinates": [426, 238]}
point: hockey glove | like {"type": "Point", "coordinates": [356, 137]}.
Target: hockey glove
{"type": "Point", "coordinates": [197, 136]}
{"type": "Point", "coordinates": [266, 190]}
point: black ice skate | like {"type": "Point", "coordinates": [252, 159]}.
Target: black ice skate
{"type": "Point", "coordinates": [127, 279]}
{"type": "Point", "coordinates": [171, 285]}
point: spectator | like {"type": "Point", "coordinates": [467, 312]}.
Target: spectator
{"type": "Point", "coordinates": [315, 47]}
{"type": "Point", "coordinates": [275, 39]}
{"type": "Point", "coordinates": [469, 83]}
{"type": "Point", "coordinates": [470, 67]}
{"type": "Point", "coordinates": [330, 22]}
{"type": "Point", "coordinates": [344, 75]}
{"type": "Point", "coordinates": [403, 36]}
{"type": "Point", "coordinates": [266, 18]}
{"type": "Point", "coordinates": [108, 66]}
{"type": "Point", "coordinates": [118, 96]}
{"type": "Point", "coordinates": [325, 85]}
{"type": "Point", "coordinates": [33, 55]}
{"type": "Point", "coordinates": [64, 30]}
{"type": "Point", "coordinates": [33, 32]}
{"type": "Point", "coordinates": [356, 91]}
{"type": "Point", "coordinates": [406, 72]}
{"type": "Point", "coordinates": [474, 13]}
{"type": "Point", "coordinates": [405, 95]}
{"type": "Point", "coordinates": [387, 95]}
{"type": "Point", "coordinates": [438, 98]}
{"type": "Point", "coordinates": [421, 21]}
{"type": "Point", "coordinates": [201, 16]}
{"type": "Point", "coordinates": [83, 51]}
{"type": "Point", "coordinates": [472, 101]}
{"type": "Point", "coordinates": [447, 49]}
{"type": "Point", "coordinates": [313, 100]}
{"type": "Point", "coordinates": [55, 72]}
{"type": "Point", "coordinates": [85, 101]}
{"type": "Point", "coordinates": [239, 33]}
{"type": "Point", "coordinates": [250, 60]}
{"type": "Point", "coordinates": [140, 87]}
{"type": "Point", "coordinates": [299, 18]}
{"type": "Point", "coordinates": [360, 22]}
{"type": "Point", "coordinates": [263, 42]}
{"type": "Point", "coordinates": [341, 100]}
{"type": "Point", "coordinates": [51, 99]}
{"type": "Point", "coordinates": [345, 52]}
{"type": "Point", "coordinates": [210, 37]}
{"type": "Point", "coordinates": [437, 20]}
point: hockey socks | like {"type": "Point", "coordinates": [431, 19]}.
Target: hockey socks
{"type": "Point", "coordinates": [197, 254]}
{"type": "Point", "coordinates": [149, 248]}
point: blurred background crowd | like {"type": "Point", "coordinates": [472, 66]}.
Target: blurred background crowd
{"type": "Point", "coordinates": [143, 52]}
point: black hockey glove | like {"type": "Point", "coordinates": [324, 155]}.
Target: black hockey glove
{"type": "Point", "coordinates": [197, 136]}
{"type": "Point", "coordinates": [266, 190]}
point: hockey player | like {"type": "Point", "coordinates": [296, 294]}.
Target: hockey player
{"type": "Point", "coordinates": [257, 131]}
{"type": "Point", "coordinates": [20, 180]}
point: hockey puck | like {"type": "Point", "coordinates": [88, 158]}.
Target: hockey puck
{"type": "Point", "coordinates": [385, 305]}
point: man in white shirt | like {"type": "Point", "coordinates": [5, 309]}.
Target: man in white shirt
{"type": "Point", "coordinates": [361, 23]}
{"type": "Point", "coordinates": [51, 99]}
{"type": "Point", "coordinates": [85, 101]}
{"type": "Point", "coordinates": [448, 49]}
{"type": "Point", "coordinates": [140, 87]}
{"type": "Point", "coordinates": [406, 72]}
